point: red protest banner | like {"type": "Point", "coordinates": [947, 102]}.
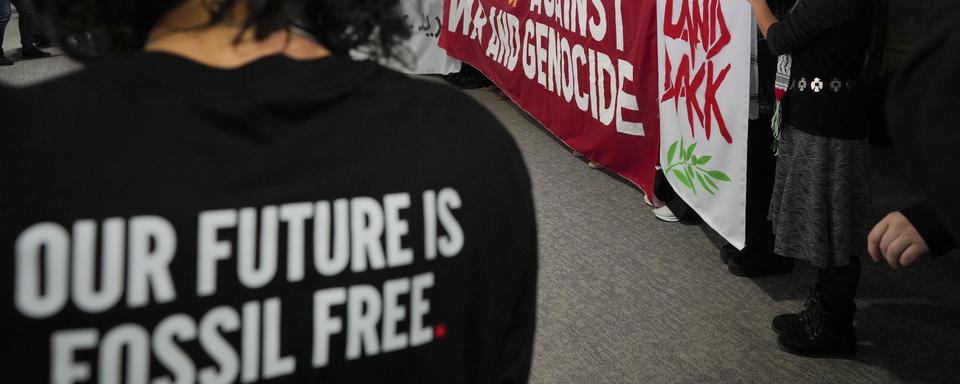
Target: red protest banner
{"type": "Point", "coordinates": [585, 69]}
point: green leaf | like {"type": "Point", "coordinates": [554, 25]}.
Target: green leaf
{"type": "Point", "coordinates": [703, 183]}
{"type": "Point", "coordinates": [719, 175]}
{"type": "Point", "coordinates": [683, 152]}
{"type": "Point", "coordinates": [672, 151]}
{"type": "Point", "coordinates": [703, 160]}
{"type": "Point", "coordinates": [690, 150]}
{"type": "Point", "coordinates": [710, 181]}
{"type": "Point", "coordinates": [690, 177]}
{"type": "Point", "coordinates": [693, 159]}
{"type": "Point", "coordinates": [683, 178]}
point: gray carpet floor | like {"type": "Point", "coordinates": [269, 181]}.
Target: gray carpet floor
{"type": "Point", "coordinates": [624, 298]}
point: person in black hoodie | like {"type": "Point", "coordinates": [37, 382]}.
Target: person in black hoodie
{"type": "Point", "coordinates": [228, 197]}
{"type": "Point", "coordinates": [921, 108]}
{"type": "Point", "coordinates": [821, 198]}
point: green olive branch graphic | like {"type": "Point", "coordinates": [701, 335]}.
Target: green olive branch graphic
{"type": "Point", "coordinates": [689, 168]}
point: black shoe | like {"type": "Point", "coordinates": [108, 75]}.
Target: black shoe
{"type": "Point", "coordinates": [793, 322]}
{"type": "Point", "coordinates": [772, 265]}
{"type": "Point", "coordinates": [831, 341]}
{"type": "Point", "coordinates": [4, 61]}
{"type": "Point", "coordinates": [33, 53]}
{"type": "Point", "coordinates": [820, 334]}
{"type": "Point", "coordinates": [786, 323]}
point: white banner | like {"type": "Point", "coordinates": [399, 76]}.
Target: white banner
{"type": "Point", "coordinates": [704, 107]}
{"type": "Point", "coordinates": [425, 20]}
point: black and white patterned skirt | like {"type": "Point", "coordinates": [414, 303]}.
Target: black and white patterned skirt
{"type": "Point", "coordinates": [821, 198]}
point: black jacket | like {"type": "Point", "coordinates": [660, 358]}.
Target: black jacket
{"type": "Point", "coordinates": [828, 40]}
{"type": "Point", "coordinates": [271, 198]}
{"type": "Point", "coordinates": [924, 219]}
{"type": "Point", "coordinates": [922, 109]}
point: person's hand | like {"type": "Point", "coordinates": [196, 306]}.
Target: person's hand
{"type": "Point", "coordinates": [897, 241]}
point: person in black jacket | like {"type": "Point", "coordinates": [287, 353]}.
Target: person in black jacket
{"type": "Point", "coordinates": [820, 203]}
{"type": "Point", "coordinates": [228, 197]}
{"type": "Point", "coordinates": [922, 109]}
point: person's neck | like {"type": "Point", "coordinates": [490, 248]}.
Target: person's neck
{"type": "Point", "coordinates": [184, 32]}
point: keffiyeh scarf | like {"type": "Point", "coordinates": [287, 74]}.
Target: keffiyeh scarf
{"type": "Point", "coordinates": [784, 64]}
{"type": "Point", "coordinates": [781, 85]}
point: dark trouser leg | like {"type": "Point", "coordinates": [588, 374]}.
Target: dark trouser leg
{"type": "Point", "coordinates": [758, 259]}
{"type": "Point", "coordinates": [4, 18]}
{"type": "Point", "coordinates": [664, 192]}
{"type": "Point", "coordinates": [662, 188]}
{"type": "Point", "coordinates": [762, 165]}
{"type": "Point", "coordinates": [27, 12]}
{"type": "Point", "coordinates": [839, 287]}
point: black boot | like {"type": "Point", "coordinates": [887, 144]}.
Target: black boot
{"type": "Point", "coordinates": [4, 61]}
{"type": "Point", "coordinates": [827, 331]}
{"type": "Point", "coordinates": [792, 322]}
{"type": "Point", "coordinates": [821, 334]}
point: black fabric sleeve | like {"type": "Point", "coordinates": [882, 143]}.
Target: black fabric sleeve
{"type": "Point", "coordinates": [503, 282]}
{"type": "Point", "coordinates": [922, 110]}
{"type": "Point", "coordinates": [808, 21]}
{"type": "Point", "coordinates": [934, 234]}
{"type": "Point", "coordinates": [515, 352]}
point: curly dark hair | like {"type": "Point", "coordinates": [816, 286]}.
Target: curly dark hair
{"type": "Point", "coordinates": [94, 29]}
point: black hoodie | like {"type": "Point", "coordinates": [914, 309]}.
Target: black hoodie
{"type": "Point", "coordinates": [286, 221]}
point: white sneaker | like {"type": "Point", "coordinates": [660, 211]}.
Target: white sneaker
{"type": "Point", "coordinates": [664, 213]}
{"type": "Point", "coordinates": [646, 200]}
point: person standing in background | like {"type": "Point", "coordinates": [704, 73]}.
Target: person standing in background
{"type": "Point", "coordinates": [27, 26]}
{"type": "Point", "coordinates": [922, 107]}
{"type": "Point", "coordinates": [758, 259]}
